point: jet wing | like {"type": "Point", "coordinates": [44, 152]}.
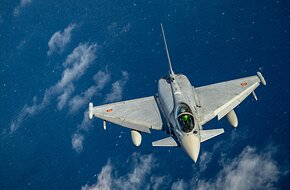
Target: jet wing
{"type": "Point", "coordinates": [140, 114]}
{"type": "Point", "coordinates": [220, 98]}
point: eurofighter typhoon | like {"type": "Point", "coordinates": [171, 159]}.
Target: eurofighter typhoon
{"type": "Point", "coordinates": [185, 109]}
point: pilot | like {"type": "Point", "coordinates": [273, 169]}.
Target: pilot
{"type": "Point", "coordinates": [186, 119]}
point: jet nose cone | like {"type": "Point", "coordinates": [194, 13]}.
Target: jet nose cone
{"type": "Point", "coordinates": [191, 145]}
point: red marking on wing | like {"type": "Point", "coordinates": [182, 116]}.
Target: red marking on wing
{"type": "Point", "coordinates": [244, 84]}
{"type": "Point", "coordinates": [109, 110]}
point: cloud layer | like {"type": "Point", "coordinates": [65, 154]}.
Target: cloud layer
{"type": "Point", "coordinates": [77, 142]}
{"type": "Point", "coordinates": [135, 179]}
{"type": "Point", "coordinates": [60, 39]}
{"type": "Point", "coordinates": [63, 91]}
{"type": "Point", "coordinates": [116, 93]}
{"type": "Point", "coordinates": [101, 78]}
{"type": "Point", "coordinates": [22, 5]}
{"type": "Point", "coordinates": [75, 66]}
{"type": "Point", "coordinates": [249, 170]}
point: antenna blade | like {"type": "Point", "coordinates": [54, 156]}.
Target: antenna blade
{"type": "Point", "coordinates": [167, 52]}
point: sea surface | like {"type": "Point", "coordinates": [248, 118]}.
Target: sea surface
{"type": "Point", "coordinates": [57, 56]}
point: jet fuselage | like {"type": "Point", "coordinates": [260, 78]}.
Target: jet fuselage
{"type": "Point", "coordinates": [179, 104]}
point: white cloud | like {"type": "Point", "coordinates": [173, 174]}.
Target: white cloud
{"type": "Point", "coordinates": [101, 79]}
{"type": "Point", "coordinates": [116, 93]}
{"type": "Point", "coordinates": [22, 4]}
{"type": "Point", "coordinates": [84, 55]}
{"type": "Point", "coordinates": [59, 40]}
{"type": "Point", "coordinates": [134, 179]}
{"type": "Point", "coordinates": [63, 98]}
{"type": "Point", "coordinates": [156, 182]}
{"type": "Point", "coordinates": [77, 142]}
{"type": "Point", "coordinates": [126, 28]}
{"type": "Point", "coordinates": [104, 179]}
{"type": "Point", "coordinates": [249, 170]}
{"type": "Point", "coordinates": [179, 185]}
{"type": "Point", "coordinates": [25, 2]}
{"type": "Point", "coordinates": [24, 113]}
{"type": "Point", "coordinates": [86, 122]}
{"type": "Point", "coordinates": [78, 101]}
{"type": "Point", "coordinates": [117, 29]}
{"type": "Point", "coordinates": [78, 137]}
{"type": "Point", "coordinates": [21, 44]}
{"type": "Point", "coordinates": [204, 159]}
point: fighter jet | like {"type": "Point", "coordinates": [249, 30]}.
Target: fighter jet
{"type": "Point", "coordinates": [185, 109]}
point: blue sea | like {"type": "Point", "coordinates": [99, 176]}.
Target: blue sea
{"type": "Point", "coordinates": [57, 56]}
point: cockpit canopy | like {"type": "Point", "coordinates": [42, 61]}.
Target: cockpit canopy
{"type": "Point", "coordinates": [185, 118]}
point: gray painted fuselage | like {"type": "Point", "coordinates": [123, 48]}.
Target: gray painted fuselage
{"type": "Point", "coordinates": [173, 92]}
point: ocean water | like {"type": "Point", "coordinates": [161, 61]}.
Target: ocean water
{"type": "Point", "coordinates": [209, 42]}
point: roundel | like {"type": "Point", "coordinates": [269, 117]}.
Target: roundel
{"type": "Point", "coordinates": [109, 110]}
{"type": "Point", "coordinates": [244, 84]}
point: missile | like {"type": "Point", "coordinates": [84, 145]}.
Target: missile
{"type": "Point", "coordinates": [255, 96]}
{"type": "Point", "coordinates": [105, 124]}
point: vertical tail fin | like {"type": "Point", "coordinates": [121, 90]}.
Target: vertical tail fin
{"type": "Point", "coordinates": [167, 53]}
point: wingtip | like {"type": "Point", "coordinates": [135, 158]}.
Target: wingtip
{"type": "Point", "coordinates": [91, 110]}
{"type": "Point", "coordinates": [262, 79]}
